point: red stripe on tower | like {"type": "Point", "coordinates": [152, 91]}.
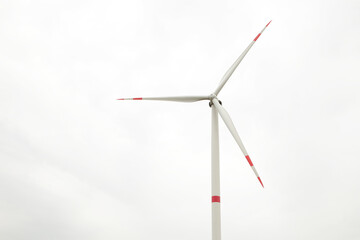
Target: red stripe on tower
{"type": "Point", "coordinates": [215, 199]}
{"type": "Point", "coordinates": [249, 160]}
{"type": "Point", "coordinates": [257, 37]}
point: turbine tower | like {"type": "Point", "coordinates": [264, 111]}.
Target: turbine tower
{"type": "Point", "coordinates": [216, 107]}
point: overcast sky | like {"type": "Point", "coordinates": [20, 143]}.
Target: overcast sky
{"type": "Point", "coordinates": [77, 164]}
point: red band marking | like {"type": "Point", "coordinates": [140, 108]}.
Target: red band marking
{"type": "Point", "coordinates": [268, 23]}
{"type": "Point", "coordinates": [261, 182]}
{"type": "Point", "coordinates": [139, 98]}
{"type": "Point", "coordinates": [257, 37]}
{"type": "Point", "coordinates": [215, 199]}
{"type": "Point", "coordinates": [120, 99]}
{"type": "Point", "coordinates": [249, 160]}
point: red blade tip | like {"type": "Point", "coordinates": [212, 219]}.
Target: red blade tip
{"type": "Point", "coordinates": [268, 23]}
{"type": "Point", "coordinates": [139, 98]}
{"type": "Point", "coordinates": [261, 182]}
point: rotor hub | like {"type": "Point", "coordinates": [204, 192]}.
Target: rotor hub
{"type": "Point", "coordinates": [211, 97]}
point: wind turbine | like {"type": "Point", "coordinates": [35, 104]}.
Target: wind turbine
{"type": "Point", "coordinates": [216, 107]}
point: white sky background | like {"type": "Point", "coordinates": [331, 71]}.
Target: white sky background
{"type": "Point", "coordinates": [76, 164]}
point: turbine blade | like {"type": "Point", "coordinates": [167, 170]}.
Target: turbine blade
{"type": "Point", "coordinates": [236, 63]}
{"type": "Point", "coordinates": [230, 125]}
{"type": "Point", "coordinates": [174, 99]}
